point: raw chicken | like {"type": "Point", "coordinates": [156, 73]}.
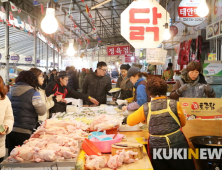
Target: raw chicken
{"type": "Point", "coordinates": [103, 122]}
{"type": "Point", "coordinates": [120, 158]}
{"type": "Point", "coordinates": [49, 131]}
{"type": "Point", "coordinates": [42, 155]}
{"type": "Point", "coordinates": [19, 154]}
{"type": "Point", "coordinates": [54, 139]}
{"type": "Point", "coordinates": [62, 123]}
{"type": "Point", "coordinates": [94, 162]}
{"type": "Point", "coordinates": [35, 142]}
{"type": "Point", "coordinates": [126, 156]}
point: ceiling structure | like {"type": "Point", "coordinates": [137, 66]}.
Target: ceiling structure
{"type": "Point", "coordinates": [106, 17]}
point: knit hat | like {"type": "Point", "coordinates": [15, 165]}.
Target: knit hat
{"type": "Point", "coordinates": [132, 71]}
{"type": "Point", "coordinates": [125, 67]}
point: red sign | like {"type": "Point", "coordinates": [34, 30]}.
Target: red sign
{"type": "Point", "coordinates": [187, 12]}
{"type": "Point", "coordinates": [118, 50]}
{"type": "Point", "coordinates": [173, 30]}
{"type": "Point", "coordinates": [195, 106]}
{"type": "Point", "coordinates": [130, 58]}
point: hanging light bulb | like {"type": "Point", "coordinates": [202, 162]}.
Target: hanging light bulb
{"type": "Point", "coordinates": [71, 51]}
{"type": "Point", "coordinates": [132, 58]}
{"type": "Point", "coordinates": [166, 34]}
{"type": "Point", "coordinates": [202, 9]}
{"type": "Point", "coordinates": [49, 23]}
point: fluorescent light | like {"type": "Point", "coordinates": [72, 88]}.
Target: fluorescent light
{"type": "Point", "coordinates": [93, 7]}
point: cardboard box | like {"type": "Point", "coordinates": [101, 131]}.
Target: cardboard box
{"type": "Point", "coordinates": [204, 108]}
{"type": "Point", "coordinates": [170, 87]}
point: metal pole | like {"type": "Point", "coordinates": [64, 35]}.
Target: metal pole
{"type": "Point", "coordinates": [47, 58]}
{"type": "Point", "coordinates": [58, 60]}
{"type": "Point", "coordinates": [7, 56]}
{"type": "Point", "coordinates": [53, 55]}
{"type": "Point", "coordinates": [35, 49]}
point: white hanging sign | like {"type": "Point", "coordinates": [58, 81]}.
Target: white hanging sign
{"type": "Point", "coordinates": [156, 56]}
{"type": "Point", "coordinates": [142, 23]}
{"type": "Point", "coordinates": [187, 12]}
{"type": "Point", "coordinates": [14, 58]}
{"type": "Point", "coordinates": [28, 59]}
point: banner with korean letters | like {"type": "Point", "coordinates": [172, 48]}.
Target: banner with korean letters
{"type": "Point", "coordinates": [116, 50]}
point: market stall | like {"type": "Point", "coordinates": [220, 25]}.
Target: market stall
{"type": "Point", "coordinates": [57, 143]}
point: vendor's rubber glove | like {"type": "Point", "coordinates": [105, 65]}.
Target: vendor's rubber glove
{"type": "Point", "coordinates": [184, 87]}
{"type": "Point", "coordinates": [208, 89]}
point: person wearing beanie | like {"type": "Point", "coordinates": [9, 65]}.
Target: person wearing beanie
{"type": "Point", "coordinates": [125, 84]}
{"type": "Point", "coordinates": [168, 73]}
{"type": "Point", "coordinates": [82, 76]}
{"type": "Point", "coordinates": [140, 95]}
{"type": "Point", "coordinates": [59, 87]}
{"type": "Point", "coordinates": [192, 84]}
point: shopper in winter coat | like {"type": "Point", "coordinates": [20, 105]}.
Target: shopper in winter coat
{"type": "Point", "coordinates": [124, 83]}
{"type": "Point", "coordinates": [6, 118]}
{"type": "Point", "coordinates": [168, 73]}
{"type": "Point", "coordinates": [53, 75]}
{"type": "Point", "coordinates": [97, 84]}
{"type": "Point", "coordinates": [140, 96]}
{"type": "Point", "coordinates": [27, 106]}
{"type": "Point", "coordinates": [82, 76]}
{"type": "Point", "coordinates": [192, 84]}
{"type": "Point", "coordinates": [73, 82]}
{"type": "Point", "coordinates": [164, 119]}
{"type": "Point", "coordinates": [48, 101]}
{"type": "Point", "coordinates": [46, 80]}
{"type": "Point", "coordinates": [59, 87]}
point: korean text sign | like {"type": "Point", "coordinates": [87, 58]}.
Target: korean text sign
{"type": "Point", "coordinates": [118, 50]}
{"type": "Point", "coordinates": [205, 108]}
{"type": "Point", "coordinates": [142, 23]}
{"type": "Point", "coordinates": [187, 12]}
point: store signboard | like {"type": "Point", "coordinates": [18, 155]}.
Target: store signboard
{"type": "Point", "coordinates": [129, 58]}
{"type": "Point", "coordinates": [187, 12]}
{"type": "Point", "coordinates": [204, 108]}
{"type": "Point", "coordinates": [14, 58]}
{"type": "Point", "coordinates": [214, 30]}
{"type": "Point", "coordinates": [142, 23]}
{"type": "Point", "coordinates": [216, 12]}
{"type": "Point", "coordinates": [28, 59]}
{"type": "Point", "coordinates": [212, 69]}
{"type": "Point", "coordinates": [51, 64]}
{"type": "Point", "coordinates": [116, 50]}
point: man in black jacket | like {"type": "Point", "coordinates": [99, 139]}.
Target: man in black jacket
{"type": "Point", "coordinates": [73, 81]}
{"type": "Point", "coordinates": [97, 84]}
{"type": "Point", "coordinates": [59, 87]}
{"type": "Point", "coordinates": [53, 75]}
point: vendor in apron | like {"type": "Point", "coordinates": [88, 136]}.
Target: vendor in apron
{"type": "Point", "coordinates": [59, 87]}
{"type": "Point", "coordinates": [140, 96]}
{"type": "Point", "coordinates": [165, 119]}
